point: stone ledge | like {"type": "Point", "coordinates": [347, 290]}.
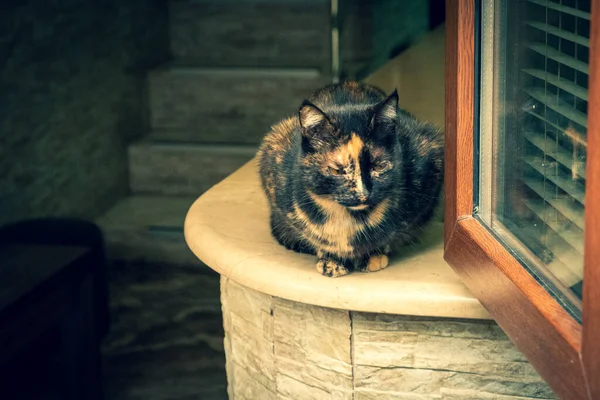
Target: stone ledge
{"type": "Point", "coordinates": [228, 229]}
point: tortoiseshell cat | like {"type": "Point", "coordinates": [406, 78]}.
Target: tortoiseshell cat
{"type": "Point", "coordinates": [350, 176]}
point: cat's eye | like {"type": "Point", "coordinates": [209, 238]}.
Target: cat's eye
{"type": "Point", "coordinates": [335, 171]}
{"type": "Point", "coordinates": [380, 167]}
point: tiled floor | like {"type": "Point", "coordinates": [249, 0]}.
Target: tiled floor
{"type": "Point", "coordinates": [166, 339]}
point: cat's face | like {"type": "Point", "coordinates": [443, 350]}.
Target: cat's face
{"type": "Point", "coordinates": [349, 154]}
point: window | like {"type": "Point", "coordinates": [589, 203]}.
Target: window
{"type": "Point", "coordinates": [522, 185]}
{"type": "Point", "coordinates": [533, 135]}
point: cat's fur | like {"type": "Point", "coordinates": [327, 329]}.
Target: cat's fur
{"type": "Point", "coordinates": [350, 176]}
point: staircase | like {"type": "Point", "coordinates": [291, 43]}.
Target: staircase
{"type": "Point", "coordinates": [238, 67]}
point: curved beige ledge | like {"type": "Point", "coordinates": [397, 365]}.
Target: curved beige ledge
{"type": "Point", "coordinates": [228, 229]}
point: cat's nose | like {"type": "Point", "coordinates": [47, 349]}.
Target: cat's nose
{"type": "Point", "coordinates": [363, 196]}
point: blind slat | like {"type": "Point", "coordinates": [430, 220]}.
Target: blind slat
{"type": "Point", "coordinates": [556, 151]}
{"type": "Point", "coordinates": [558, 106]}
{"type": "Point", "coordinates": [560, 33]}
{"type": "Point", "coordinates": [564, 9]}
{"type": "Point", "coordinates": [547, 215]}
{"type": "Point", "coordinates": [571, 134]}
{"type": "Point", "coordinates": [568, 272]}
{"type": "Point", "coordinates": [559, 57]}
{"type": "Point", "coordinates": [559, 82]}
{"type": "Point", "coordinates": [572, 188]}
{"type": "Point", "coordinates": [571, 261]}
{"type": "Point", "coordinates": [579, 138]}
{"type": "Point", "coordinates": [567, 264]}
{"type": "Point", "coordinates": [562, 205]}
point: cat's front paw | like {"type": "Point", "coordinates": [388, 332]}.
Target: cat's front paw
{"type": "Point", "coordinates": [331, 268]}
{"type": "Point", "coordinates": [377, 262]}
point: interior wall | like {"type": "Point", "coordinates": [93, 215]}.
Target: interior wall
{"type": "Point", "coordinates": [71, 97]}
{"type": "Point", "coordinates": [374, 31]}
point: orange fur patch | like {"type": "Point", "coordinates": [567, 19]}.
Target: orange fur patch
{"type": "Point", "coordinates": [279, 139]}
{"type": "Point", "coordinates": [349, 152]}
{"type": "Point", "coordinates": [354, 147]}
{"type": "Point", "coordinates": [377, 262]}
{"type": "Point", "coordinates": [378, 213]}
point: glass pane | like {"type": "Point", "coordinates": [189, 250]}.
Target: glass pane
{"type": "Point", "coordinates": [533, 127]}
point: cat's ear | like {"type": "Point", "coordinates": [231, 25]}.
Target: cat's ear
{"type": "Point", "coordinates": [386, 111]}
{"type": "Point", "coordinates": [316, 127]}
{"type": "Point", "coordinates": [311, 117]}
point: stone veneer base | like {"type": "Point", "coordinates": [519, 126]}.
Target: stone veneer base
{"type": "Point", "coordinates": [280, 349]}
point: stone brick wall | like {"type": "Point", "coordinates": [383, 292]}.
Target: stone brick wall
{"type": "Point", "coordinates": [71, 97]}
{"type": "Point", "coordinates": [283, 350]}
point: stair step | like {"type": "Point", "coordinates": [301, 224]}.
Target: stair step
{"type": "Point", "coordinates": [235, 106]}
{"type": "Point", "coordinates": [182, 168]}
{"type": "Point", "coordinates": [252, 34]}
{"type": "Point", "coordinates": [148, 228]}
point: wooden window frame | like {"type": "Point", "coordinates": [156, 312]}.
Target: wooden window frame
{"type": "Point", "coordinates": [564, 352]}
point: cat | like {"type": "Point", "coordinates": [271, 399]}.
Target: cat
{"type": "Point", "coordinates": [350, 177]}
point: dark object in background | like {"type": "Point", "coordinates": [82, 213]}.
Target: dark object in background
{"type": "Point", "coordinates": [437, 13]}
{"type": "Point", "coordinates": [53, 309]}
{"type": "Point", "coordinates": [68, 232]}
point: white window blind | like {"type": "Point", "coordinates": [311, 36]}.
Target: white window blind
{"type": "Point", "coordinates": [554, 74]}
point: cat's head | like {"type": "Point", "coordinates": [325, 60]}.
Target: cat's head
{"type": "Point", "coordinates": [350, 152]}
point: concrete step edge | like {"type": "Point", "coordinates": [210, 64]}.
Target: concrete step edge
{"type": "Point", "coordinates": [197, 147]}
{"type": "Point", "coordinates": [132, 233]}
{"type": "Point", "coordinates": [267, 72]}
{"type": "Point", "coordinates": [131, 212]}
